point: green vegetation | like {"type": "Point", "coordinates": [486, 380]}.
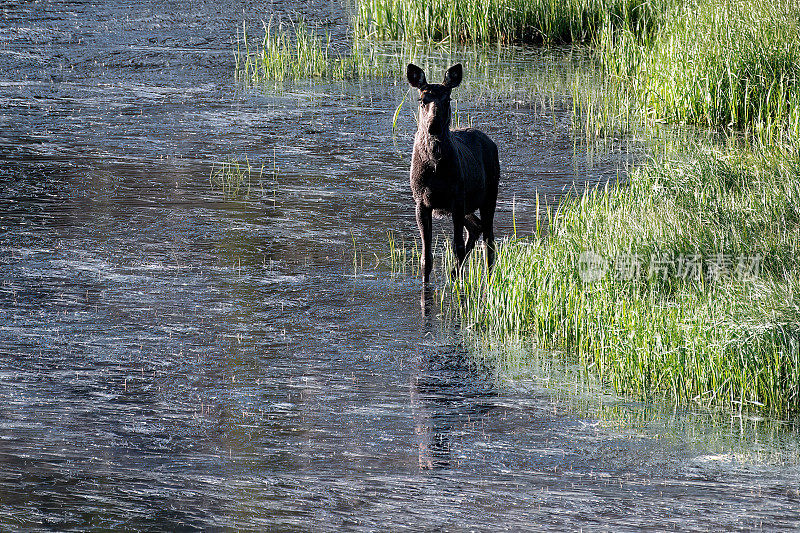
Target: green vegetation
{"type": "Point", "coordinates": [505, 21]}
{"type": "Point", "coordinates": [721, 334]}
{"type": "Point", "coordinates": [234, 177]}
{"type": "Point", "coordinates": [720, 64]}
{"type": "Point", "coordinates": [291, 52]}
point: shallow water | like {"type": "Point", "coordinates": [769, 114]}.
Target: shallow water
{"type": "Point", "coordinates": [174, 358]}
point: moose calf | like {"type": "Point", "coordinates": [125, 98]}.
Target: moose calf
{"type": "Point", "coordinates": [453, 172]}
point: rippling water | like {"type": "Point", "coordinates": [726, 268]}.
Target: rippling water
{"type": "Point", "coordinates": [174, 358]}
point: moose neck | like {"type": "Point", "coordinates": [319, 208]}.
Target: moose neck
{"type": "Point", "coordinates": [435, 147]}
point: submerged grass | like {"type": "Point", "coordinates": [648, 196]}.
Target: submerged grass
{"type": "Point", "coordinates": [681, 285]}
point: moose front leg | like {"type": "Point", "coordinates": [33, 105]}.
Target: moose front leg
{"type": "Point", "coordinates": [458, 241]}
{"type": "Point", "coordinates": [425, 224]}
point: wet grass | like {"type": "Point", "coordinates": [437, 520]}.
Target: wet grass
{"type": "Point", "coordinates": [696, 290]}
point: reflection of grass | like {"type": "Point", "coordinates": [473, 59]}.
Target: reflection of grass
{"type": "Point", "coordinates": [723, 437]}
{"type": "Point", "coordinates": [404, 257]}
{"type": "Point", "coordinates": [732, 341]}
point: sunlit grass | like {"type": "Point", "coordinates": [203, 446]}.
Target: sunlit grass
{"type": "Point", "coordinates": [721, 64]}
{"type": "Point", "coordinates": [729, 340]}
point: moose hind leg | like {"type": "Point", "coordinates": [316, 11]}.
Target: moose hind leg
{"type": "Point", "coordinates": [459, 250]}
{"type": "Point", "coordinates": [474, 228]}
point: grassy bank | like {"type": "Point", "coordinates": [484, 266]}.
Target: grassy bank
{"type": "Point", "coordinates": [720, 64]}
{"type": "Point", "coordinates": [694, 294]}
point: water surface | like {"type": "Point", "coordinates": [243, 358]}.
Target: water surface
{"type": "Point", "coordinates": [174, 358]}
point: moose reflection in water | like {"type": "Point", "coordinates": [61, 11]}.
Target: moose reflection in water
{"type": "Point", "coordinates": [448, 393]}
{"type": "Point", "coordinates": [453, 172]}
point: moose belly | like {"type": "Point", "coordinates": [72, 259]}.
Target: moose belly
{"type": "Point", "coordinates": [440, 200]}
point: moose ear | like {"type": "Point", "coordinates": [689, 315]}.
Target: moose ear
{"type": "Point", "coordinates": [452, 78]}
{"type": "Point", "coordinates": [415, 75]}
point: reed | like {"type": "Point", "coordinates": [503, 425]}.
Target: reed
{"type": "Point", "coordinates": [715, 334]}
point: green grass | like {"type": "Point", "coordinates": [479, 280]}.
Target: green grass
{"type": "Point", "coordinates": [234, 177]}
{"type": "Point", "coordinates": [720, 64]}
{"type": "Point", "coordinates": [505, 21]}
{"type": "Point", "coordinates": [294, 51]}
{"type": "Point", "coordinates": [731, 341]}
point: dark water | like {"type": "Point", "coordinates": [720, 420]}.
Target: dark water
{"type": "Point", "coordinates": [173, 358]}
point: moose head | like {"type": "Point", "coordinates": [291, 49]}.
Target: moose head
{"type": "Point", "coordinates": [434, 98]}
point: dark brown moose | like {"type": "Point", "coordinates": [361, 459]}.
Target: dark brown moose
{"type": "Point", "coordinates": [453, 172]}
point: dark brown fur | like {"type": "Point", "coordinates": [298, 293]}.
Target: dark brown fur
{"type": "Point", "coordinates": [453, 172]}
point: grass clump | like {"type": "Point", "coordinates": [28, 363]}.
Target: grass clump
{"type": "Point", "coordinates": [721, 63]}
{"type": "Point", "coordinates": [294, 51]}
{"type": "Point", "coordinates": [484, 21]}
{"type": "Point", "coordinates": [235, 177]}
{"type": "Point", "coordinates": [674, 308]}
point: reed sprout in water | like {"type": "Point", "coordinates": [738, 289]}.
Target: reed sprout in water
{"type": "Point", "coordinates": [235, 177]}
